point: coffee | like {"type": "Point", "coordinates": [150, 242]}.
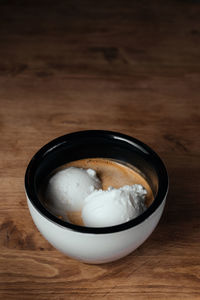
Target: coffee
{"type": "Point", "coordinates": [111, 173]}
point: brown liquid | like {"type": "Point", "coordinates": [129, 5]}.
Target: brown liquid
{"type": "Point", "coordinates": [111, 173]}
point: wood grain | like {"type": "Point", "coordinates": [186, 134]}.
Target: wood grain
{"type": "Point", "coordinates": [132, 67]}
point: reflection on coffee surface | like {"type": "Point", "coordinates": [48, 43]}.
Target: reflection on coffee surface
{"type": "Point", "coordinates": [97, 192]}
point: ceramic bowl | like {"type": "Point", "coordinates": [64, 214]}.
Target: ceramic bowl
{"type": "Point", "coordinates": [87, 244]}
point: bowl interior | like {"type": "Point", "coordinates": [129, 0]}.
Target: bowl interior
{"type": "Point", "coordinates": [95, 144]}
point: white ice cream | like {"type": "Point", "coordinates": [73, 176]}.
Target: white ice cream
{"type": "Point", "coordinates": [114, 206]}
{"type": "Point", "coordinates": [68, 188]}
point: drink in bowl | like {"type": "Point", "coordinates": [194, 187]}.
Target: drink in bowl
{"type": "Point", "coordinates": [96, 195]}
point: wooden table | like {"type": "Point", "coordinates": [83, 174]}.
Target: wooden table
{"type": "Point", "coordinates": [128, 66]}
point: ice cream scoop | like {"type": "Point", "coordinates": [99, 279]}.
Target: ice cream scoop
{"type": "Point", "coordinates": [114, 206]}
{"type": "Point", "coordinates": [68, 188]}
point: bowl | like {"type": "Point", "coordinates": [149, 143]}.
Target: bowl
{"type": "Point", "coordinates": [102, 244]}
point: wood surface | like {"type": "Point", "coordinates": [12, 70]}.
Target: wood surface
{"type": "Point", "coordinates": [127, 66]}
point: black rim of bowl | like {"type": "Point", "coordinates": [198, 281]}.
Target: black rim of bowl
{"type": "Point", "coordinates": [33, 197]}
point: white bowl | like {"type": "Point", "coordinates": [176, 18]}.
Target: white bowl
{"type": "Point", "coordinates": [96, 245]}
